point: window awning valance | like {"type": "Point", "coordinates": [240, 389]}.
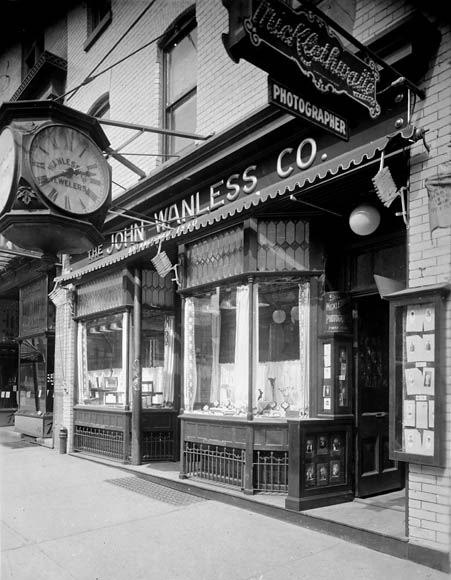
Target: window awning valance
{"type": "Point", "coordinates": [332, 166]}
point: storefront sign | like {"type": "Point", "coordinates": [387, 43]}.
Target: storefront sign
{"type": "Point", "coordinates": [236, 185]}
{"type": "Point", "coordinates": [294, 103]}
{"type": "Point", "coordinates": [337, 312]}
{"type": "Point", "coordinates": [277, 36]}
{"type": "Point", "coordinates": [126, 237]}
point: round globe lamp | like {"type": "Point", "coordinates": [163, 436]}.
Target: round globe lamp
{"type": "Point", "coordinates": [364, 220]}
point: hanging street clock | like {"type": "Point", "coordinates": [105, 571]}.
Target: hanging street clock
{"type": "Point", "coordinates": [55, 183]}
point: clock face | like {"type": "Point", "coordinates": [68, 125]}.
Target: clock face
{"type": "Point", "coordinates": [69, 169]}
{"type": "Point", "coordinates": [7, 165]}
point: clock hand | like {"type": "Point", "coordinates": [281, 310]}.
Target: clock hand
{"type": "Point", "coordinates": [87, 173]}
{"type": "Point", "coordinates": [66, 173]}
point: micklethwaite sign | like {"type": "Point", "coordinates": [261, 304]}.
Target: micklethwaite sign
{"type": "Point", "coordinates": [305, 39]}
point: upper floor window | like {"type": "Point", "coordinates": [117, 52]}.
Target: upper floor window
{"type": "Point", "coordinates": [180, 82]}
{"type": "Point", "coordinates": [101, 107]}
{"type": "Point", "coordinates": [98, 17]}
{"type": "Point", "coordinates": [32, 50]}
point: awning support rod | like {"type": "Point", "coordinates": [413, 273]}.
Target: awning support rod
{"type": "Point", "coordinates": [149, 129]}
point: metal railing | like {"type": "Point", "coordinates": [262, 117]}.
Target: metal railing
{"type": "Point", "coordinates": [157, 446]}
{"type": "Point", "coordinates": [271, 471]}
{"type": "Point", "coordinates": [106, 442]}
{"type": "Point", "coordinates": [214, 463]}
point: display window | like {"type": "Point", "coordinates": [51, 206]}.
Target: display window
{"type": "Point", "coordinates": [157, 359]}
{"type": "Point", "coordinates": [8, 378]}
{"type": "Point", "coordinates": [219, 327]}
{"type": "Point", "coordinates": [36, 375]}
{"type": "Point", "coordinates": [102, 352]}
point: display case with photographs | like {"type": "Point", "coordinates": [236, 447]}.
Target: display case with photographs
{"type": "Point", "coordinates": [335, 375]}
{"type": "Point", "coordinates": [416, 387]}
{"type": "Point", "coordinates": [323, 474]}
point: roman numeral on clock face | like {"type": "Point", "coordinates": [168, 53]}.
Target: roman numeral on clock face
{"type": "Point", "coordinates": [91, 194]}
{"type": "Point", "coordinates": [53, 194]}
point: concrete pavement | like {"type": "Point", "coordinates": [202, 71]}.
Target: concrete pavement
{"type": "Point", "coordinates": [63, 518]}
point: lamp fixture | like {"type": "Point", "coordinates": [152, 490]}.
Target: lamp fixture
{"type": "Point", "coordinates": [364, 220]}
{"type": "Point", "coordinates": [227, 304]}
{"type": "Point", "coordinates": [94, 330]}
{"type": "Point", "coordinates": [105, 328]}
{"type": "Point", "coordinates": [279, 316]}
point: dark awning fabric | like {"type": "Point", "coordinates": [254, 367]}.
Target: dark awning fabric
{"type": "Point", "coordinates": [325, 169]}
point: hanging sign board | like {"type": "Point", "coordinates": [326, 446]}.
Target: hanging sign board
{"type": "Point", "coordinates": [299, 106]}
{"type": "Point", "coordinates": [282, 41]}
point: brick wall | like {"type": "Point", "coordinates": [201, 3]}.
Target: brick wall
{"type": "Point", "coordinates": [430, 263]}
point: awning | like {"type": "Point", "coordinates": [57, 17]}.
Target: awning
{"type": "Point", "coordinates": [10, 252]}
{"type": "Point", "coordinates": [338, 163]}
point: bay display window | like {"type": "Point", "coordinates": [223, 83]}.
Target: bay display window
{"type": "Point", "coordinates": [157, 359]}
{"type": "Point", "coordinates": [102, 352]}
{"type": "Point", "coordinates": [36, 375]}
{"type": "Point", "coordinates": [219, 364]}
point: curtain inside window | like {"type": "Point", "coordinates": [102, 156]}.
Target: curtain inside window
{"type": "Point", "coordinates": [242, 347]}
{"type": "Point", "coordinates": [168, 368]}
{"type": "Point", "coordinates": [189, 359]}
{"type": "Point", "coordinates": [215, 338]}
{"type": "Point", "coordinates": [304, 344]}
{"type": "Point", "coordinates": [83, 391]}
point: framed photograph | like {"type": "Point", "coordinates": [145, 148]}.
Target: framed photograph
{"type": "Point", "coordinates": [147, 387]}
{"type": "Point", "coordinates": [110, 383]}
{"type": "Point", "coordinates": [323, 445]}
{"type": "Point", "coordinates": [310, 474]}
{"type": "Point", "coordinates": [336, 445]}
{"type": "Point", "coordinates": [309, 446]}
{"type": "Point", "coordinates": [326, 390]}
{"type": "Point", "coordinates": [336, 471]}
{"type": "Point", "coordinates": [322, 474]}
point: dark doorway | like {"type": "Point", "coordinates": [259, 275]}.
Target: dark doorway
{"type": "Point", "coordinates": [375, 472]}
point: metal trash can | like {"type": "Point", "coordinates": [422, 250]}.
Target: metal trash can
{"type": "Point", "coordinates": [63, 440]}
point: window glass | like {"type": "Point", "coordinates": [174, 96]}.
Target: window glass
{"type": "Point", "coordinates": [180, 82]}
{"type": "Point", "coordinates": [181, 62]}
{"type": "Point", "coordinates": [102, 373]}
{"type": "Point", "coordinates": [157, 359]}
{"type": "Point", "coordinates": [217, 354]}
{"type": "Point", "coordinates": [279, 366]}
{"type": "Point", "coordinates": [183, 118]}
{"type": "Point", "coordinates": [97, 10]}
{"type": "Point", "coordinates": [35, 376]}
{"type": "Point", "coordinates": [8, 377]}
{"type": "Point", "coordinates": [101, 108]}
{"type": "Point", "coordinates": [217, 351]}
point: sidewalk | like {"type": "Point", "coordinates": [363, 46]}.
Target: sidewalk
{"type": "Point", "coordinates": [66, 518]}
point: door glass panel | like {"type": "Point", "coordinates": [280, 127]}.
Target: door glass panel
{"type": "Point", "coordinates": [368, 455]}
{"type": "Point", "coordinates": [373, 353]}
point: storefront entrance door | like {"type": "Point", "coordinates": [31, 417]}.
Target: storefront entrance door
{"type": "Point", "coordinates": [375, 472]}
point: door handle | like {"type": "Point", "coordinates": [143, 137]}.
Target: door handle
{"type": "Point", "coordinates": [375, 414]}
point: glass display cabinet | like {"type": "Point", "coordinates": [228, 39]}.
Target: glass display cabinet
{"type": "Point", "coordinates": [335, 359]}
{"type": "Point", "coordinates": [417, 390]}
{"type": "Point", "coordinates": [36, 340]}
